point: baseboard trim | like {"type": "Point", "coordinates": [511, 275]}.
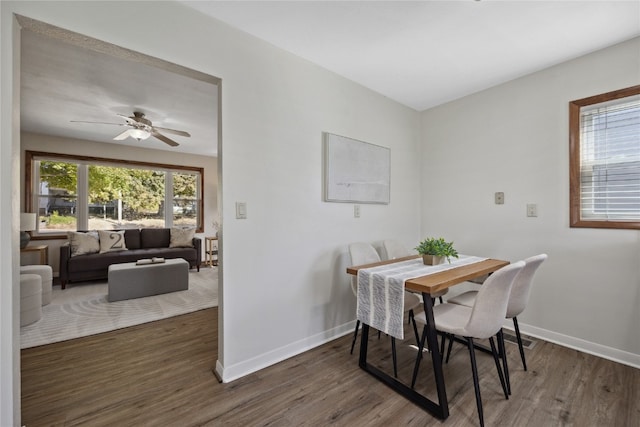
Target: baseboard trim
{"type": "Point", "coordinates": [217, 371]}
{"type": "Point", "coordinates": [246, 367]}
{"type": "Point", "coordinates": [609, 353]}
{"type": "Point", "coordinates": [249, 366]}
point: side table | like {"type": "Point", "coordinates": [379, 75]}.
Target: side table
{"type": "Point", "coordinates": [42, 249]}
{"type": "Point", "coordinates": [211, 250]}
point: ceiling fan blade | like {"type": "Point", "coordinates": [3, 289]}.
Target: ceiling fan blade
{"type": "Point", "coordinates": [164, 139]}
{"type": "Point", "coordinates": [123, 135]}
{"type": "Point", "coordinates": [99, 123]}
{"type": "Point", "coordinates": [128, 119]}
{"type": "Point", "coordinates": [138, 119]}
{"type": "Point", "coordinates": [173, 131]}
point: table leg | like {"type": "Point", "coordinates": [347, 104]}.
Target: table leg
{"type": "Point", "coordinates": [436, 358]}
{"type": "Point", "coordinates": [44, 256]}
{"type": "Point", "coordinates": [440, 410]}
{"type": "Point", "coordinates": [364, 342]}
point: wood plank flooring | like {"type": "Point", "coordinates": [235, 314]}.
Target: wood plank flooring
{"type": "Point", "coordinates": [160, 374]}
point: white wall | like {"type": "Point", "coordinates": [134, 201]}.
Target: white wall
{"type": "Point", "coordinates": [9, 222]}
{"type": "Point", "coordinates": [52, 144]}
{"type": "Point", "coordinates": [283, 274]}
{"type": "Point", "coordinates": [285, 287]}
{"type": "Point", "coordinates": [514, 138]}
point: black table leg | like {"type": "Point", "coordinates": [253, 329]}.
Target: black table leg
{"type": "Point", "coordinates": [432, 339]}
{"type": "Point", "coordinates": [440, 409]}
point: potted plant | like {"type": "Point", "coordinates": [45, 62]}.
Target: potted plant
{"type": "Point", "coordinates": [435, 251]}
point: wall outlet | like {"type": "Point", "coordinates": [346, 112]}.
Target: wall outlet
{"type": "Point", "coordinates": [356, 211]}
{"type": "Point", "coordinates": [499, 198]}
{"type": "Point", "coordinates": [532, 210]}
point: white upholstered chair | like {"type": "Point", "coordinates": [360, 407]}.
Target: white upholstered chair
{"type": "Point", "coordinates": [483, 320]}
{"type": "Point", "coordinates": [396, 249]}
{"type": "Point", "coordinates": [365, 253]}
{"type": "Point", "coordinates": [517, 300]}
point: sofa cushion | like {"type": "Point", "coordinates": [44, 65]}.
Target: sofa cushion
{"type": "Point", "coordinates": [82, 243]}
{"type": "Point", "coordinates": [154, 238]}
{"type": "Point", "coordinates": [182, 237]}
{"type": "Point", "coordinates": [111, 241]}
{"type": "Point", "coordinates": [132, 238]}
{"type": "Point", "coordinates": [96, 262]}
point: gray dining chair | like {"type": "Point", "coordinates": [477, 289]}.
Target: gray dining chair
{"type": "Point", "coordinates": [365, 253]}
{"type": "Point", "coordinates": [481, 321]}
{"type": "Point", "coordinates": [395, 249]}
{"type": "Point", "coordinates": [517, 300]}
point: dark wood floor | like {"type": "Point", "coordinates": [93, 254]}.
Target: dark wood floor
{"type": "Point", "coordinates": [160, 374]}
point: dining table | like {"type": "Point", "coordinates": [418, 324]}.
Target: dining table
{"type": "Point", "coordinates": [428, 281]}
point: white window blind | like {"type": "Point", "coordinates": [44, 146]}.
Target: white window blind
{"type": "Point", "coordinates": [610, 160]}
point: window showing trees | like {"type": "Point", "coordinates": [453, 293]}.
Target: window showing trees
{"type": "Point", "coordinates": [185, 198]}
{"type": "Point", "coordinates": [56, 195]}
{"type": "Point", "coordinates": [605, 160]}
{"type": "Point", "coordinates": [73, 193]}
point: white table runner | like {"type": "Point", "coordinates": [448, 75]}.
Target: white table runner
{"type": "Point", "coordinates": [381, 291]}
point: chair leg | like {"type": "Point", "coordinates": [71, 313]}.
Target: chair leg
{"type": "Point", "coordinates": [476, 384]}
{"type": "Point", "coordinates": [503, 354]}
{"type": "Point", "coordinates": [444, 338]}
{"type": "Point", "coordinates": [355, 335]}
{"type": "Point", "coordinates": [497, 362]}
{"type": "Point", "coordinates": [415, 327]}
{"type": "Point", "coordinates": [515, 325]}
{"type": "Point", "coordinates": [416, 367]}
{"type": "Point", "coordinates": [449, 348]}
{"type": "Point", "coordinates": [441, 301]}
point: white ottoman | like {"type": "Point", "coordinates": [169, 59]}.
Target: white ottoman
{"type": "Point", "coordinates": [30, 299]}
{"type": "Point", "coordinates": [46, 274]}
{"type": "Point", "coordinates": [129, 280]}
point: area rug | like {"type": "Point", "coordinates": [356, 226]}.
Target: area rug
{"type": "Point", "coordinates": [83, 309]}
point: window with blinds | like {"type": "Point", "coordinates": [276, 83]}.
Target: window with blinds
{"type": "Point", "coordinates": [605, 160]}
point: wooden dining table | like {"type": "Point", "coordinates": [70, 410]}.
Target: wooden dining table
{"type": "Point", "coordinates": [426, 285]}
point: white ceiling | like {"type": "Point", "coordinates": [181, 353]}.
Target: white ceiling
{"type": "Point", "coordinates": [419, 53]}
{"type": "Point", "coordinates": [425, 53]}
{"type": "Point", "coordinates": [61, 82]}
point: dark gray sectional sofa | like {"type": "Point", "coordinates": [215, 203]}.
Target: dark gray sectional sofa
{"type": "Point", "coordinates": [140, 243]}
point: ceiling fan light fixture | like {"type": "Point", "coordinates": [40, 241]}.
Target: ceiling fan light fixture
{"type": "Point", "coordinates": [139, 134]}
{"type": "Point", "coordinates": [140, 128]}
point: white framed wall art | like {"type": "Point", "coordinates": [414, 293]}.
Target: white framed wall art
{"type": "Point", "coordinates": [355, 171]}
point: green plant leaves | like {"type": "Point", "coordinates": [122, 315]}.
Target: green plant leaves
{"type": "Point", "coordinates": [437, 247]}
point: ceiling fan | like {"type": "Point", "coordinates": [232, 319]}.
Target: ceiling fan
{"type": "Point", "coordinates": [141, 128]}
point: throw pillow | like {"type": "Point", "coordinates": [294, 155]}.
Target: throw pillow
{"type": "Point", "coordinates": [83, 243]}
{"type": "Point", "coordinates": [111, 241]}
{"type": "Point", "coordinates": [182, 237]}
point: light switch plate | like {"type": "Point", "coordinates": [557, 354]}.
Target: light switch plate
{"type": "Point", "coordinates": [241, 210]}
{"type": "Point", "coordinates": [499, 198]}
{"type": "Point", "coordinates": [356, 211]}
{"type": "Point", "coordinates": [532, 210]}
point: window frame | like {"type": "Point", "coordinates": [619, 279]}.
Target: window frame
{"type": "Point", "coordinates": [575, 107]}
{"type": "Point", "coordinates": [31, 156]}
